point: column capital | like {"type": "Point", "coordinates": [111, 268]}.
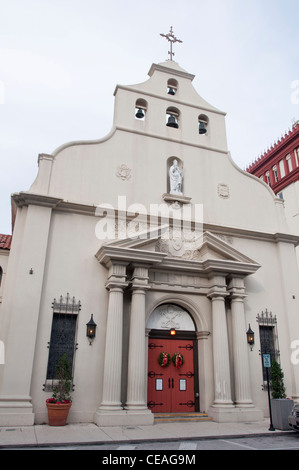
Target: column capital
{"type": "Point", "coordinates": [236, 288]}
{"type": "Point", "coordinates": [117, 276]}
{"type": "Point", "coordinates": [218, 287]}
{"type": "Point", "coordinates": [202, 335]}
{"type": "Point", "coordinates": [237, 296]}
{"type": "Point", "coordinates": [217, 294]}
{"type": "Point", "coordinates": [113, 286]}
{"type": "Point", "coordinates": [139, 279]}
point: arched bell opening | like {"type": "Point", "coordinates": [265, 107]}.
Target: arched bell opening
{"type": "Point", "coordinates": [203, 122]}
{"type": "Point", "coordinates": [140, 109]}
{"type": "Point", "coordinates": [172, 117]}
{"type": "Point", "coordinates": [172, 86]}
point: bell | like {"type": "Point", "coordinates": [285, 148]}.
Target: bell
{"type": "Point", "coordinates": [140, 114]}
{"type": "Point", "coordinates": [202, 128]}
{"type": "Point", "coordinates": [172, 122]}
{"type": "Point", "coordinates": [171, 91]}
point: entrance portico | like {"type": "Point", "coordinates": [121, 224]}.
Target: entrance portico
{"type": "Point", "coordinates": [207, 282]}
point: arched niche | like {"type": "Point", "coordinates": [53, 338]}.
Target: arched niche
{"type": "Point", "coordinates": [168, 316]}
{"type": "Point", "coordinates": [169, 164]}
{"type": "Point", "coordinates": [140, 109]}
{"type": "Point", "coordinates": [173, 117]}
{"type": "Point", "coordinates": [172, 86]}
{"type": "Point", "coordinates": [203, 122]}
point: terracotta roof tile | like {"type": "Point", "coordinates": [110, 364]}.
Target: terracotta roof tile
{"type": "Point", "coordinates": [5, 241]}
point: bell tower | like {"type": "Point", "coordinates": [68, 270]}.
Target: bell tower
{"type": "Point", "coordinates": [168, 107]}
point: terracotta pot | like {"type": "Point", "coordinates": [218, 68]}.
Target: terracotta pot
{"type": "Point", "coordinates": [58, 413]}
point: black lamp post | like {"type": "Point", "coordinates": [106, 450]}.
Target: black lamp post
{"type": "Point", "coordinates": [250, 337]}
{"type": "Point", "coordinates": [91, 329]}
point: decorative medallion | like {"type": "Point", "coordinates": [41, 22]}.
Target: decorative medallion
{"type": "Point", "coordinates": [180, 243]}
{"type": "Point", "coordinates": [223, 191]}
{"type": "Point", "coordinates": [170, 317]}
{"type": "Point", "coordinates": [123, 172]}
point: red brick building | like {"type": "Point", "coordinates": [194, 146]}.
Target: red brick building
{"type": "Point", "coordinates": [279, 165]}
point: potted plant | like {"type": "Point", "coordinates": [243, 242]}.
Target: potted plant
{"type": "Point", "coordinates": [59, 405]}
{"type": "Point", "coordinates": [280, 404]}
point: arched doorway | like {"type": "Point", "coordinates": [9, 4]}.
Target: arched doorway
{"type": "Point", "coordinates": [172, 361]}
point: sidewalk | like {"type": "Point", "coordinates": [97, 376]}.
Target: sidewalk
{"type": "Point", "coordinates": [89, 433]}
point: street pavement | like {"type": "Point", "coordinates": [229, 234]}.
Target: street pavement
{"type": "Point", "coordinates": [91, 434]}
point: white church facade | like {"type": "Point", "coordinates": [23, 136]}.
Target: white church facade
{"type": "Point", "coordinates": [171, 249]}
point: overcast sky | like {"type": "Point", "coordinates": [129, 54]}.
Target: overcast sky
{"type": "Point", "coordinates": [60, 61]}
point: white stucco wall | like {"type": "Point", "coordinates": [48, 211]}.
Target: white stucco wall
{"type": "Point", "coordinates": [55, 235]}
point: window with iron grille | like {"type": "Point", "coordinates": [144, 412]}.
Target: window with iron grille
{"type": "Point", "coordinates": [268, 338]}
{"type": "Point", "coordinates": [63, 335]}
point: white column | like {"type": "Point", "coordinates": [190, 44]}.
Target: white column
{"type": "Point", "coordinates": [137, 385]}
{"type": "Point", "coordinates": [113, 352]}
{"type": "Point", "coordinates": [222, 379]}
{"type": "Point", "coordinates": [111, 397]}
{"type": "Point", "coordinates": [240, 346]}
{"type": "Point", "coordinates": [136, 397]}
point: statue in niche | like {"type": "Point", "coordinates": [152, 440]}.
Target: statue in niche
{"type": "Point", "coordinates": [175, 179]}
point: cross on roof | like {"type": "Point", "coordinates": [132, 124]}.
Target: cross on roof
{"type": "Point", "coordinates": [172, 39]}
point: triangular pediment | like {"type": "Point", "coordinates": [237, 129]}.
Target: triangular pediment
{"type": "Point", "coordinates": [182, 250]}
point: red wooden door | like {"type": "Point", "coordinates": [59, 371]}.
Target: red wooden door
{"type": "Point", "coordinates": [170, 388]}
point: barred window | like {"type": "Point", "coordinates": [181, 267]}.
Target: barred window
{"type": "Point", "coordinates": [268, 337]}
{"type": "Point", "coordinates": [62, 341]}
{"type": "Point", "coordinates": [63, 335]}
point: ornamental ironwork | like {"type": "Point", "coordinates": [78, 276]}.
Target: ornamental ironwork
{"type": "Point", "coordinates": [63, 335]}
{"type": "Point", "coordinates": [268, 339]}
{"type": "Point", "coordinates": [67, 305]}
{"type": "Point", "coordinates": [266, 318]}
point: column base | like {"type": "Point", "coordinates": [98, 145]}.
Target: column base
{"type": "Point", "coordinates": [136, 406]}
{"type": "Point", "coordinates": [124, 418]}
{"type": "Point", "coordinates": [110, 407]}
{"type": "Point", "coordinates": [16, 411]}
{"type": "Point", "coordinates": [233, 414]}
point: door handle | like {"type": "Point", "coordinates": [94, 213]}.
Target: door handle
{"type": "Point", "coordinates": [170, 383]}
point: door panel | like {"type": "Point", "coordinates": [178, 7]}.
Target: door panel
{"type": "Point", "coordinates": [171, 388]}
{"type": "Point", "coordinates": [159, 392]}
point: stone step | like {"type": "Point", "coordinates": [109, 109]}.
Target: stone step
{"type": "Point", "coordinates": [175, 417]}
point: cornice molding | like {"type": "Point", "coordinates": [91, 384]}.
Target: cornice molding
{"type": "Point", "coordinates": [170, 71]}
{"type": "Point", "coordinates": [25, 199]}
{"type": "Point", "coordinates": [115, 254]}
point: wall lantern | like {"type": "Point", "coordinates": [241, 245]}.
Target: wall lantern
{"type": "Point", "coordinates": [172, 332]}
{"type": "Point", "coordinates": [250, 337]}
{"type": "Point", "coordinates": [91, 329]}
